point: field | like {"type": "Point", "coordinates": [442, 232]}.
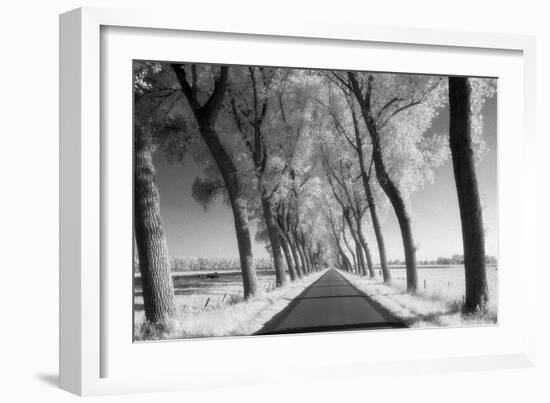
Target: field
{"type": "Point", "coordinates": [213, 307]}
{"type": "Point", "coordinates": [196, 292]}
{"type": "Point", "coordinates": [447, 283]}
{"type": "Point", "coordinates": [438, 300]}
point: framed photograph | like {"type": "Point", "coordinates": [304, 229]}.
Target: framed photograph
{"type": "Point", "coordinates": [236, 197]}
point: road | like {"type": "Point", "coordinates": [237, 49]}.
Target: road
{"type": "Point", "coordinates": [331, 303]}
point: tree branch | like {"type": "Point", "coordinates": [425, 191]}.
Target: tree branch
{"type": "Point", "coordinates": [179, 70]}
{"type": "Point", "coordinates": [215, 102]}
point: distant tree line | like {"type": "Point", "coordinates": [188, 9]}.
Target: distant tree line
{"type": "Point", "coordinates": [455, 259]}
{"type": "Point", "coordinates": [459, 259]}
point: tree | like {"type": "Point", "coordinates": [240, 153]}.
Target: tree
{"type": "Point", "coordinates": [384, 100]}
{"type": "Point", "coordinates": [288, 255]}
{"type": "Point", "coordinates": [462, 152]}
{"type": "Point", "coordinates": [351, 211]}
{"type": "Point", "coordinates": [352, 251]}
{"type": "Point", "coordinates": [373, 209]}
{"type": "Point", "coordinates": [283, 222]}
{"type": "Point", "coordinates": [154, 264]}
{"type": "Point", "coordinates": [249, 102]}
{"type": "Point", "coordinates": [294, 153]}
{"type": "Point", "coordinates": [154, 123]}
{"type": "Point", "coordinates": [206, 114]}
{"type": "Point", "coordinates": [339, 109]}
{"type": "Point", "coordinates": [339, 163]}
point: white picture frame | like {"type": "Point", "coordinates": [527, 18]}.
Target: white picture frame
{"type": "Point", "coordinates": [88, 315]}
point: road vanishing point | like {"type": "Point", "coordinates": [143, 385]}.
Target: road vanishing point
{"type": "Point", "coordinates": [331, 303]}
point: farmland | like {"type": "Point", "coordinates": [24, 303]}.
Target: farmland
{"type": "Point", "coordinates": [213, 307]}
{"type": "Point", "coordinates": [212, 304]}
{"type": "Point", "coordinates": [438, 300]}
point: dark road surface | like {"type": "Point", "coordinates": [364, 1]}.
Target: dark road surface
{"type": "Point", "coordinates": [331, 303]}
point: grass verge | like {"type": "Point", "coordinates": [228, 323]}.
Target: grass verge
{"type": "Point", "coordinates": [235, 317]}
{"type": "Point", "coordinates": [423, 309]}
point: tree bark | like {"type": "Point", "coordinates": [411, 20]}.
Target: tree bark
{"type": "Point", "coordinates": [370, 201]}
{"type": "Point", "coordinates": [365, 246]}
{"type": "Point", "coordinates": [358, 248]}
{"type": "Point", "coordinates": [154, 264]}
{"type": "Point", "coordinates": [387, 185]}
{"type": "Point", "coordinates": [359, 253]}
{"type": "Point", "coordinates": [339, 264]}
{"type": "Point", "coordinates": [471, 218]}
{"type": "Point", "coordinates": [350, 249]}
{"type": "Point", "coordinates": [206, 116]}
{"type": "Point", "coordinates": [274, 238]}
{"type": "Point", "coordinates": [240, 215]}
{"type": "Point", "coordinates": [305, 267]}
{"type": "Point", "coordinates": [260, 165]}
{"type": "Point", "coordinates": [311, 259]}
{"type": "Point", "coordinates": [304, 245]}
{"type": "Point", "coordinates": [296, 256]}
{"type": "Point", "coordinates": [282, 220]}
{"type": "Point", "coordinates": [336, 235]}
{"type": "Point", "coordinates": [288, 257]}
{"type": "Point", "coordinates": [346, 261]}
{"type": "Point", "coordinates": [239, 206]}
{"type": "Point", "coordinates": [406, 230]}
{"type": "Point", "coordinates": [377, 230]}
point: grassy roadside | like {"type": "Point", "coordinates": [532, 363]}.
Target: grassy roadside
{"type": "Point", "coordinates": [423, 309]}
{"type": "Point", "coordinates": [233, 318]}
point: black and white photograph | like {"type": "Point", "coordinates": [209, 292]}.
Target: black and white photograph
{"type": "Point", "coordinates": [291, 201]}
{"type": "Point", "coordinates": [283, 200]}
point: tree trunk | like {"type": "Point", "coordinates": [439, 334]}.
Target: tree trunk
{"type": "Point", "coordinates": [389, 188]}
{"type": "Point", "coordinates": [305, 267]}
{"type": "Point", "coordinates": [295, 256]}
{"type": "Point", "coordinates": [288, 257]}
{"type": "Point", "coordinates": [359, 253]}
{"type": "Point", "coordinates": [377, 230]}
{"type": "Point", "coordinates": [358, 249]}
{"type": "Point", "coordinates": [240, 215]}
{"type": "Point", "coordinates": [370, 200]}
{"type": "Point", "coordinates": [306, 254]}
{"type": "Point", "coordinates": [341, 261]}
{"type": "Point", "coordinates": [273, 232]}
{"type": "Point", "coordinates": [154, 264]}
{"type": "Point", "coordinates": [283, 220]}
{"type": "Point", "coordinates": [365, 246]}
{"type": "Point", "coordinates": [400, 208]}
{"type": "Point", "coordinates": [473, 237]}
{"type": "Point", "coordinates": [311, 259]}
{"type": "Point", "coordinates": [206, 116]}
{"type": "Point", "coordinates": [350, 249]}
{"type": "Point", "coordinates": [239, 206]}
{"type": "Point", "coordinates": [408, 243]}
{"type": "Point", "coordinates": [339, 264]}
{"type": "Point", "coordinates": [346, 261]}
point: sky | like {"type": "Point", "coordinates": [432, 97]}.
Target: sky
{"type": "Point", "coordinates": [192, 231]}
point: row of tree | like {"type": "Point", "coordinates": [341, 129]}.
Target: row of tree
{"type": "Point", "coordinates": [459, 259]}
{"type": "Point", "coordinates": [310, 156]}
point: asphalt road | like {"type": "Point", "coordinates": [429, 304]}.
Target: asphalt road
{"type": "Point", "coordinates": [331, 303]}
